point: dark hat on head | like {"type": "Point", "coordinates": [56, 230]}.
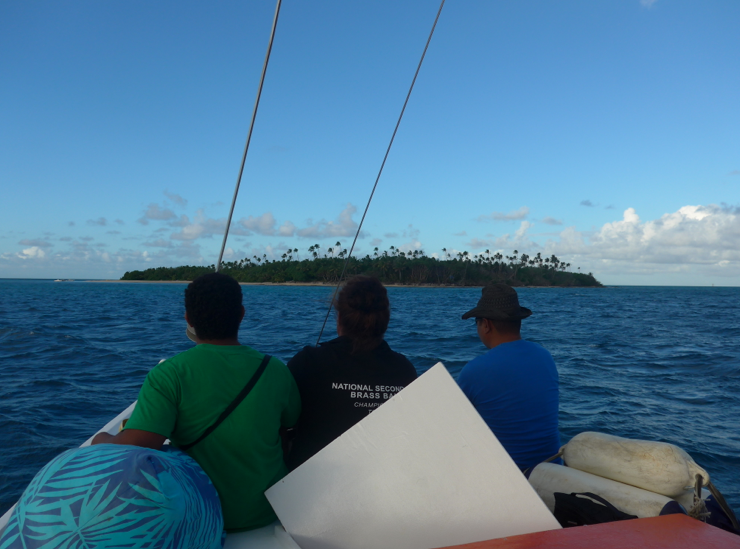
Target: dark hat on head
{"type": "Point", "coordinates": [498, 302]}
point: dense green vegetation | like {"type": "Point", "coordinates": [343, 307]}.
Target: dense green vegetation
{"type": "Point", "coordinates": [391, 267]}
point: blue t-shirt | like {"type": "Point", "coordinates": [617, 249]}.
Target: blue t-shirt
{"type": "Point", "coordinates": [514, 387]}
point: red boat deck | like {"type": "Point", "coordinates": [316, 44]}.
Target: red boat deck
{"type": "Point", "coordinates": [667, 532]}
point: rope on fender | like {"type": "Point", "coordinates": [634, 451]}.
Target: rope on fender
{"type": "Point", "coordinates": [699, 509]}
{"type": "Point", "coordinates": [548, 460]}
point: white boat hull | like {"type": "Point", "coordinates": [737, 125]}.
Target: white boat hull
{"type": "Point", "coordinates": [273, 536]}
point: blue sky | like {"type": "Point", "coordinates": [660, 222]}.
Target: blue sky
{"type": "Point", "coordinates": [607, 133]}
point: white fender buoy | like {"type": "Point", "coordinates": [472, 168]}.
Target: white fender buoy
{"type": "Point", "coordinates": [654, 466]}
{"type": "Point", "coordinates": [548, 478]}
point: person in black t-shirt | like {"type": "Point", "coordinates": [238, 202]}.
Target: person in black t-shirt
{"type": "Point", "coordinates": [345, 379]}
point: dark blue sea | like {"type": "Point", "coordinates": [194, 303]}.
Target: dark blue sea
{"type": "Point", "coordinates": [657, 363]}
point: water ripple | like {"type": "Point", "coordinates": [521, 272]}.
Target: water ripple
{"type": "Point", "coordinates": [649, 363]}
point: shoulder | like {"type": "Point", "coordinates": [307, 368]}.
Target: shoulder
{"type": "Point", "coordinates": [311, 354]}
{"type": "Point", "coordinates": [399, 360]}
{"type": "Point", "coordinates": [172, 367]}
{"type": "Point", "coordinates": [255, 358]}
{"type": "Point", "coordinates": [490, 363]}
{"type": "Point", "coordinates": [535, 350]}
{"type": "Point", "coordinates": [476, 364]}
{"type": "Point", "coordinates": [278, 367]}
{"type": "Point", "coordinates": [491, 356]}
{"type": "Point", "coordinates": [183, 360]}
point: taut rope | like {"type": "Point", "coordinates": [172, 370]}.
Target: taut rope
{"type": "Point", "coordinates": [380, 171]}
{"type": "Point", "coordinates": [249, 135]}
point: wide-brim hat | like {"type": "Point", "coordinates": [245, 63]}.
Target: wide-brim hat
{"type": "Point", "coordinates": [498, 302]}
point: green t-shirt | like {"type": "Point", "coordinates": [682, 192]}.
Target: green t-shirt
{"type": "Point", "coordinates": [181, 397]}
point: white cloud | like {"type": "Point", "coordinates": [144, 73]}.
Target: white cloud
{"type": "Point", "coordinates": [410, 246]}
{"type": "Point", "coordinates": [519, 240]}
{"type": "Point", "coordinates": [343, 226]}
{"type": "Point", "coordinates": [264, 224]}
{"type": "Point", "coordinates": [477, 243]}
{"type": "Point", "coordinates": [204, 227]}
{"type": "Point", "coordinates": [287, 229]}
{"type": "Point", "coordinates": [83, 259]}
{"type": "Point", "coordinates": [648, 3]}
{"type": "Point", "coordinates": [551, 221]}
{"type": "Point", "coordinates": [201, 227]}
{"type": "Point", "coordinates": [182, 221]}
{"type": "Point", "coordinates": [176, 199]}
{"type": "Point", "coordinates": [516, 215]}
{"type": "Point", "coordinates": [35, 242]}
{"type": "Point", "coordinates": [156, 213]}
{"type": "Point", "coordinates": [692, 237]}
{"type": "Point", "coordinates": [413, 243]}
{"type": "Point", "coordinates": [34, 252]}
{"type": "Point", "coordinates": [159, 243]}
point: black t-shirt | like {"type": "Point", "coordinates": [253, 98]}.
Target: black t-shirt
{"type": "Point", "coordinates": [338, 389]}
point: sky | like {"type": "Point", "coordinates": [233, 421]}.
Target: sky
{"type": "Point", "coordinates": [605, 133]}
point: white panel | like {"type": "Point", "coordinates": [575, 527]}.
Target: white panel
{"type": "Point", "coordinates": [269, 537]}
{"type": "Point", "coordinates": [421, 471]}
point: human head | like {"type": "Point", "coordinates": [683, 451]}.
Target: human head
{"type": "Point", "coordinates": [363, 312]}
{"type": "Point", "coordinates": [498, 302]}
{"type": "Point", "coordinates": [507, 327]}
{"type": "Point", "coordinates": [213, 305]}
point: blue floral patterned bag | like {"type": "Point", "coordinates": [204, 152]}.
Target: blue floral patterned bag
{"type": "Point", "coordinates": [112, 496]}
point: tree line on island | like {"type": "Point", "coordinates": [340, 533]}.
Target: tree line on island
{"type": "Point", "coordinates": [393, 266]}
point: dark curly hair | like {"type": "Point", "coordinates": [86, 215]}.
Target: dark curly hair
{"type": "Point", "coordinates": [214, 306]}
{"type": "Point", "coordinates": [364, 312]}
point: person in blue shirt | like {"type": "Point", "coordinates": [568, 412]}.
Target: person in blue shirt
{"type": "Point", "coordinates": [514, 386]}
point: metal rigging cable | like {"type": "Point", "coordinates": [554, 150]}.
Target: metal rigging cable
{"type": "Point", "coordinates": [382, 165]}
{"type": "Point", "coordinates": [249, 135]}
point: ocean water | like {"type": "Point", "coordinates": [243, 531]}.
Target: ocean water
{"type": "Point", "coordinates": [655, 363]}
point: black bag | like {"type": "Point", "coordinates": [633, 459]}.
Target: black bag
{"type": "Point", "coordinates": [579, 509]}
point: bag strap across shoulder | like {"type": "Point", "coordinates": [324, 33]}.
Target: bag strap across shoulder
{"type": "Point", "coordinates": [234, 403]}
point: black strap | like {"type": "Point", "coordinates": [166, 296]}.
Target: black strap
{"type": "Point", "coordinates": [596, 498]}
{"type": "Point", "coordinates": [234, 403]}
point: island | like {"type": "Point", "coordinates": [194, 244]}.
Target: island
{"type": "Point", "coordinates": [392, 267]}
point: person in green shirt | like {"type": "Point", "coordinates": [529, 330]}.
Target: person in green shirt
{"type": "Point", "coordinates": [184, 395]}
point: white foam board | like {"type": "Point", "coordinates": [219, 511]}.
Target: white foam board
{"type": "Point", "coordinates": [422, 471]}
{"type": "Point", "coordinates": [269, 537]}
